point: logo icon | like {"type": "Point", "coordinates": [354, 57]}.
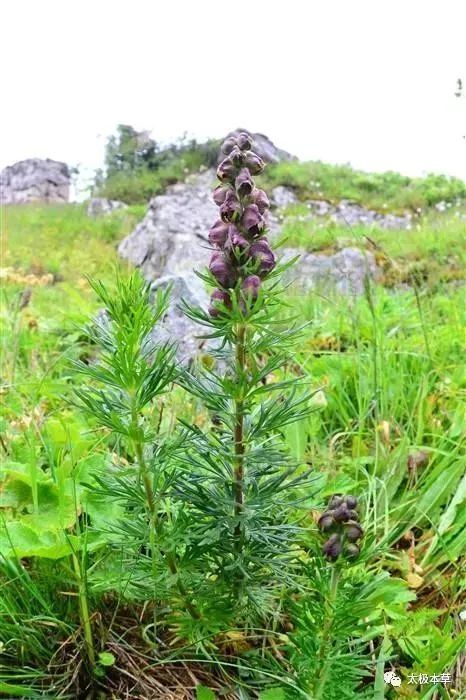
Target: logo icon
{"type": "Point", "coordinates": [392, 678]}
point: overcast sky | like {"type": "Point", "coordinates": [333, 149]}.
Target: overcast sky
{"type": "Point", "coordinates": [366, 82]}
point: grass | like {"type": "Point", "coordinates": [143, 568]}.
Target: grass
{"type": "Point", "coordinates": [389, 426]}
{"type": "Point", "coordinates": [388, 191]}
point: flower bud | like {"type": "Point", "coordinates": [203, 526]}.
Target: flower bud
{"type": "Point", "coordinates": [244, 183]}
{"type": "Point", "coordinates": [341, 514]}
{"type": "Point", "coordinates": [251, 286]}
{"type": "Point", "coordinates": [222, 270]}
{"type": "Point", "coordinates": [218, 234]}
{"type": "Point", "coordinates": [326, 521]}
{"type": "Point", "coordinates": [262, 256]}
{"type": "Point", "coordinates": [244, 141]}
{"type": "Point", "coordinates": [254, 163]}
{"type": "Point", "coordinates": [261, 200]}
{"type": "Point", "coordinates": [228, 145]}
{"type": "Point", "coordinates": [352, 550]}
{"type": "Point", "coordinates": [351, 502]}
{"type": "Point", "coordinates": [219, 194]}
{"type": "Point", "coordinates": [252, 220]}
{"type": "Point", "coordinates": [353, 531]}
{"type": "Point", "coordinates": [332, 547]}
{"type": "Point", "coordinates": [231, 208]}
{"type": "Point", "coordinates": [226, 171]}
{"type": "Point", "coordinates": [219, 297]}
{"type": "Point", "coordinates": [335, 501]}
{"type": "Point", "coordinates": [237, 157]}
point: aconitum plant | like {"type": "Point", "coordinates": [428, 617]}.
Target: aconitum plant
{"type": "Point", "coordinates": [241, 482]}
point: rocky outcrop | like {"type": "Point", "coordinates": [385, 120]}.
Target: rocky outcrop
{"type": "Point", "coordinates": [263, 147]}
{"type": "Point", "coordinates": [35, 180]}
{"type": "Point", "coordinates": [99, 206]}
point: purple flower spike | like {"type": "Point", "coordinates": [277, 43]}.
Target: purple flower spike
{"type": "Point", "coordinates": [228, 145]}
{"type": "Point", "coordinates": [218, 234]}
{"type": "Point", "coordinates": [244, 183]}
{"type": "Point", "coordinates": [261, 200]}
{"type": "Point", "coordinates": [251, 286]}
{"type": "Point", "coordinates": [254, 163]}
{"type": "Point", "coordinates": [244, 141]}
{"type": "Point", "coordinates": [219, 194]}
{"type": "Point", "coordinates": [223, 271]}
{"type": "Point", "coordinates": [262, 254]}
{"type": "Point", "coordinates": [226, 171]}
{"type": "Point", "coordinates": [231, 208]}
{"type": "Point", "coordinates": [252, 220]}
{"type": "Point", "coordinates": [219, 297]}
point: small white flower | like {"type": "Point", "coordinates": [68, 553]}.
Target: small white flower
{"type": "Point", "coordinates": [463, 615]}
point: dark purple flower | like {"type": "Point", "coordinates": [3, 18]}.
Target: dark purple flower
{"type": "Point", "coordinates": [231, 208]}
{"type": "Point", "coordinates": [244, 141]}
{"type": "Point", "coordinates": [228, 145]}
{"type": "Point", "coordinates": [351, 502]}
{"type": "Point", "coordinates": [354, 531]}
{"type": "Point", "coordinates": [244, 183]}
{"type": "Point", "coordinates": [342, 513]}
{"type": "Point", "coordinates": [261, 200]}
{"type": "Point", "coordinates": [236, 239]}
{"type": "Point", "coordinates": [352, 550]}
{"type": "Point", "coordinates": [217, 299]}
{"type": "Point", "coordinates": [335, 501]}
{"type": "Point", "coordinates": [253, 220]}
{"type": "Point", "coordinates": [219, 194]}
{"type": "Point", "coordinates": [326, 521]}
{"type": "Point", "coordinates": [237, 157]}
{"type": "Point", "coordinates": [218, 234]}
{"type": "Point", "coordinates": [251, 286]}
{"type": "Point", "coordinates": [222, 270]}
{"type": "Point", "coordinates": [332, 547]}
{"type": "Point", "coordinates": [262, 254]}
{"type": "Point", "coordinates": [254, 163]}
{"type": "Point", "coordinates": [226, 171]}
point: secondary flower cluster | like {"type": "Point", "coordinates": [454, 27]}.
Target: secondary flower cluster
{"type": "Point", "coordinates": [341, 522]}
{"type": "Point", "coordinates": [242, 257]}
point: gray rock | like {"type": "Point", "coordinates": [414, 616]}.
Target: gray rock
{"type": "Point", "coordinates": [99, 206]}
{"type": "Point", "coordinates": [264, 147]}
{"type": "Point", "coordinates": [343, 272]}
{"type": "Point", "coordinates": [175, 326]}
{"type": "Point", "coordinates": [35, 180]}
{"type": "Point", "coordinates": [283, 196]}
{"type": "Point", "coordinates": [347, 213]}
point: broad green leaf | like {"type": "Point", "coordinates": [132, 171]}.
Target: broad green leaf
{"type": "Point", "coordinates": [204, 693]}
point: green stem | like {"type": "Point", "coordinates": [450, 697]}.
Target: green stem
{"type": "Point", "coordinates": [325, 657]}
{"type": "Point", "coordinates": [238, 474]}
{"type": "Point", "coordinates": [84, 612]}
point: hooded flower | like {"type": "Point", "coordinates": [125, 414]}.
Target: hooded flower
{"type": "Point", "coordinates": [254, 163]}
{"type": "Point", "coordinates": [262, 255]}
{"type": "Point", "coordinates": [218, 234]}
{"type": "Point", "coordinates": [226, 171]}
{"type": "Point", "coordinates": [342, 521]}
{"type": "Point", "coordinates": [253, 220]}
{"type": "Point", "coordinates": [244, 183]}
{"type": "Point", "coordinates": [219, 194]}
{"type": "Point", "coordinates": [222, 270]}
{"type": "Point", "coordinates": [218, 299]}
{"type": "Point", "coordinates": [228, 145]}
{"type": "Point", "coordinates": [261, 200]}
{"type": "Point", "coordinates": [231, 208]}
{"type": "Point", "coordinates": [251, 286]}
{"type": "Point", "coordinates": [244, 141]}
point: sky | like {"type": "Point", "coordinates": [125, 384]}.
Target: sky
{"type": "Point", "coordinates": [366, 82]}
